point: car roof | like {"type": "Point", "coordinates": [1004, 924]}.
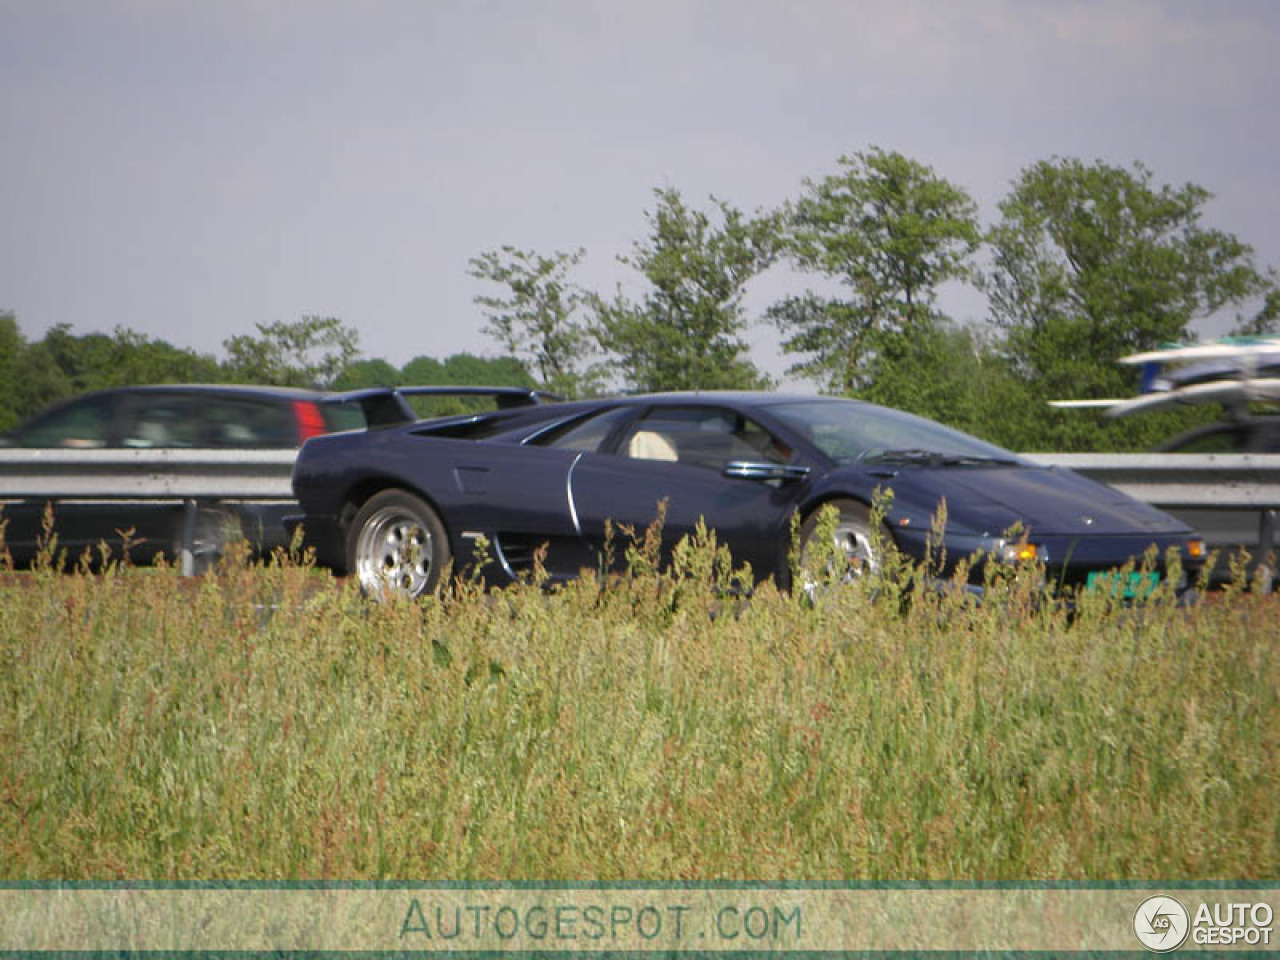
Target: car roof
{"type": "Point", "coordinates": [285, 393]}
{"type": "Point", "coordinates": [211, 390]}
{"type": "Point", "coordinates": [746, 398]}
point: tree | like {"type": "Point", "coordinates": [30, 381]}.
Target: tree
{"type": "Point", "coordinates": [1093, 262]}
{"type": "Point", "coordinates": [461, 370]}
{"type": "Point", "coordinates": [367, 373]}
{"type": "Point", "coordinates": [43, 382]}
{"type": "Point", "coordinates": [81, 362]}
{"type": "Point", "coordinates": [466, 370]}
{"type": "Point", "coordinates": [891, 231]}
{"type": "Point", "coordinates": [309, 353]}
{"type": "Point", "coordinates": [12, 346]}
{"type": "Point", "coordinates": [686, 333]}
{"type": "Point", "coordinates": [422, 371]}
{"type": "Point", "coordinates": [1267, 320]}
{"type": "Point", "coordinates": [540, 320]}
{"type": "Point", "coordinates": [133, 358]}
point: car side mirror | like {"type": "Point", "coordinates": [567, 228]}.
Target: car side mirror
{"type": "Point", "coordinates": [753, 470]}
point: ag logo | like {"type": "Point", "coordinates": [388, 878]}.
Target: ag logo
{"type": "Point", "coordinates": [1161, 924]}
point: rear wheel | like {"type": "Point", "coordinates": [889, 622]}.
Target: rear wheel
{"type": "Point", "coordinates": [397, 545]}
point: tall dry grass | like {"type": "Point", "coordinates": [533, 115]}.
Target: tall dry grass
{"type": "Point", "coordinates": [267, 722]}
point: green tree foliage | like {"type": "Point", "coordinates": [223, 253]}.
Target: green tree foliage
{"type": "Point", "coordinates": [43, 381]}
{"type": "Point", "coordinates": [686, 332]}
{"type": "Point", "coordinates": [950, 373]}
{"type": "Point", "coordinates": [1093, 262]}
{"type": "Point", "coordinates": [12, 374]}
{"type": "Point", "coordinates": [1267, 320]}
{"type": "Point", "coordinates": [422, 371]}
{"type": "Point", "coordinates": [891, 232]}
{"type": "Point", "coordinates": [541, 317]}
{"type": "Point", "coordinates": [460, 369]}
{"type": "Point", "coordinates": [465, 370]}
{"type": "Point", "coordinates": [367, 373]}
{"type": "Point", "coordinates": [135, 359]}
{"type": "Point", "coordinates": [309, 353]}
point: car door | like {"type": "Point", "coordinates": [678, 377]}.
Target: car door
{"type": "Point", "coordinates": [520, 495]}
{"type": "Point", "coordinates": [678, 454]}
{"type": "Point", "coordinates": [516, 497]}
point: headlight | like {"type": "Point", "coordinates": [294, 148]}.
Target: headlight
{"type": "Point", "coordinates": [1021, 551]}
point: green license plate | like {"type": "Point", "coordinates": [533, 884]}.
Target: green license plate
{"type": "Point", "coordinates": [1125, 586]}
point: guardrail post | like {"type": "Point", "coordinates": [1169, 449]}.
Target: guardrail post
{"type": "Point", "coordinates": [186, 551]}
{"type": "Point", "coordinates": [1266, 537]}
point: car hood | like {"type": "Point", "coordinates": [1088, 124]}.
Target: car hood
{"type": "Point", "coordinates": [1046, 500]}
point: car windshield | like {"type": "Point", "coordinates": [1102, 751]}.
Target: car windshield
{"type": "Point", "coordinates": [851, 432]}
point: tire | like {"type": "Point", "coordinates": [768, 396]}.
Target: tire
{"type": "Point", "coordinates": [853, 534]}
{"type": "Point", "coordinates": [397, 546]}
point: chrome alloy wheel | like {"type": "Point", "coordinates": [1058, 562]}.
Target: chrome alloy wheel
{"type": "Point", "coordinates": [393, 553]}
{"type": "Point", "coordinates": [853, 538]}
{"type": "Point", "coordinates": [857, 547]}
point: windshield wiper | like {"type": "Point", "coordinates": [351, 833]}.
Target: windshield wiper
{"type": "Point", "coordinates": [933, 458]}
{"type": "Point", "coordinates": [901, 456]}
{"type": "Point", "coordinates": [971, 459]}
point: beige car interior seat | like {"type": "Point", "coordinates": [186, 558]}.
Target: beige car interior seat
{"type": "Point", "coordinates": [647, 445]}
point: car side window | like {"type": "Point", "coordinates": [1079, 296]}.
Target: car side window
{"type": "Point", "coordinates": [232, 422]}
{"type": "Point", "coordinates": [585, 435]}
{"type": "Point", "coordinates": [702, 436]}
{"type": "Point", "coordinates": [161, 420]}
{"type": "Point", "coordinates": [83, 424]}
{"type": "Point", "coordinates": [343, 416]}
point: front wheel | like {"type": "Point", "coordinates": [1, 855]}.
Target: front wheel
{"type": "Point", "coordinates": [854, 536]}
{"type": "Point", "coordinates": [397, 546]}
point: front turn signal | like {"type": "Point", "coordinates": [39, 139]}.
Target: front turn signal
{"type": "Point", "coordinates": [1020, 552]}
{"type": "Point", "coordinates": [1195, 549]}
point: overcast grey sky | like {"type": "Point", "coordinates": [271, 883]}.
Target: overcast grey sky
{"type": "Point", "coordinates": [189, 169]}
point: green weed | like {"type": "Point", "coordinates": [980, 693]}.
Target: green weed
{"type": "Point", "coordinates": [268, 722]}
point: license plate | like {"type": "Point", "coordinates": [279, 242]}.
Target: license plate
{"type": "Point", "coordinates": [1126, 586]}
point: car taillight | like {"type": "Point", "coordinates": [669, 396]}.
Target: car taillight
{"type": "Point", "coordinates": [309, 419]}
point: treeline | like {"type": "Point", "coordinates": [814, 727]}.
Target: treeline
{"type": "Point", "coordinates": [1086, 263]}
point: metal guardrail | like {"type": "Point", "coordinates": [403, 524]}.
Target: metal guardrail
{"type": "Point", "coordinates": [147, 474]}
{"type": "Point", "coordinates": [192, 476]}
{"type": "Point", "coordinates": [1209, 480]}
{"type": "Point", "coordinates": [1231, 499]}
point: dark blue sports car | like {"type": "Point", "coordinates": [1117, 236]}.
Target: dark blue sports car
{"type": "Point", "coordinates": [394, 505]}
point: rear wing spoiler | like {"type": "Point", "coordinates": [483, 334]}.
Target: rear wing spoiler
{"type": "Point", "coordinates": [387, 406]}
